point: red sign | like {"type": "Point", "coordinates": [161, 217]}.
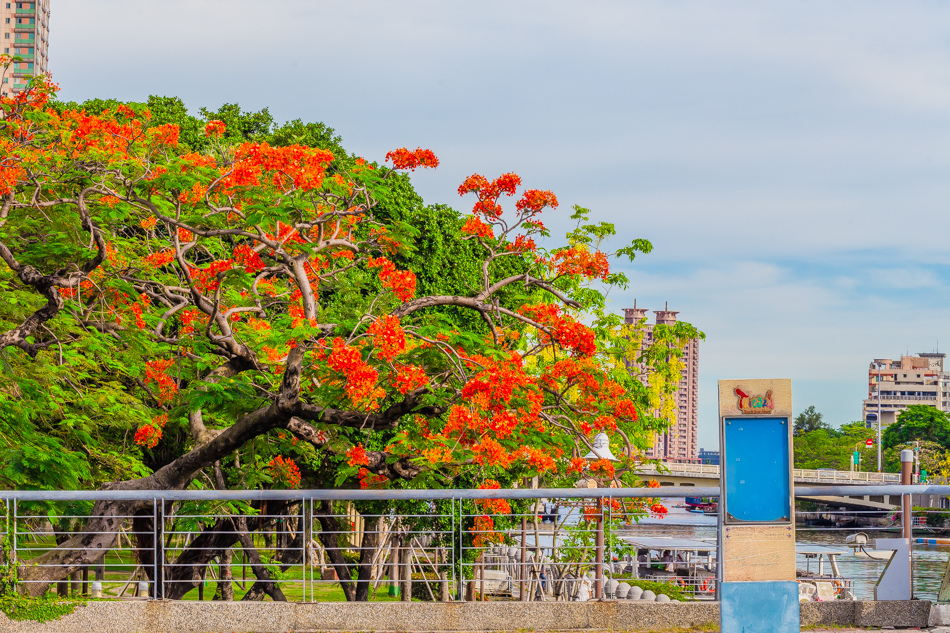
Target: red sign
{"type": "Point", "coordinates": [870, 442]}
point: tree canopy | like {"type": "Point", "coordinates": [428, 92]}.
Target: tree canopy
{"type": "Point", "coordinates": [245, 305]}
{"type": "Point", "coordinates": [809, 420]}
{"type": "Point", "coordinates": [827, 447]}
{"type": "Point", "coordinates": [919, 422]}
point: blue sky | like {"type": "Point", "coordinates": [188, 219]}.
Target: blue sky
{"type": "Point", "coordinates": [787, 160]}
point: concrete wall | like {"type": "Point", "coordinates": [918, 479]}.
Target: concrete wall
{"type": "Point", "coordinates": [143, 616]}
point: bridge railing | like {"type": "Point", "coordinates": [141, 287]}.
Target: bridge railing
{"type": "Point", "coordinates": [800, 474]}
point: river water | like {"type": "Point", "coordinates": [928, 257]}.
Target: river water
{"type": "Point", "coordinates": [929, 562]}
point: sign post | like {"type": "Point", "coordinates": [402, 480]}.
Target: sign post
{"type": "Point", "coordinates": [756, 511]}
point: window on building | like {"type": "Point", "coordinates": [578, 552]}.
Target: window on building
{"type": "Point", "coordinates": [6, 36]}
{"type": "Point", "coordinates": [7, 21]}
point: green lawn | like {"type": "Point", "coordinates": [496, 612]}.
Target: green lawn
{"type": "Point", "coordinates": [120, 564]}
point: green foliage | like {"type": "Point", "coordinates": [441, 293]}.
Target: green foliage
{"type": "Point", "coordinates": [826, 447]}
{"type": "Point", "coordinates": [809, 420]}
{"type": "Point", "coordinates": [918, 422]}
{"type": "Point", "coordinates": [9, 564]}
{"type": "Point", "coordinates": [21, 608]}
{"type": "Point", "coordinates": [674, 591]}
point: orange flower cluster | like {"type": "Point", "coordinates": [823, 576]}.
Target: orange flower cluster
{"type": "Point", "coordinates": [403, 158]}
{"type": "Point", "coordinates": [215, 128]}
{"type": "Point", "coordinates": [284, 470]}
{"type": "Point", "coordinates": [357, 456]}
{"type": "Point", "coordinates": [658, 510]}
{"type": "Point", "coordinates": [150, 433]}
{"type": "Point", "coordinates": [137, 309]}
{"type": "Point", "coordinates": [570, 334]}
{"type": "Point", "coordinates": [193, 196]}
{"type": "Point", "coordinates": [524, 244]}
{"type": "Point", "coordinates": [474, 226]}
{"type": "Point", "coordinates": [581, 261]}
{"type": "Point", "coordinates": [206, 279]}
{"type": "Point", "coordinates": [389, 338]}
{"type": "Point", "coordinates": [155, 374]}
{"type": "Point", "coordinates": [492, 453]}
{"type": "Point", "coordinates": [409, 378]}
{"type": "Point", "coordinates": [578, 464]}
{"type": "Point", "coordinates": [437, 455]}
{"type": "Point", "coordinates": [401, 282]}
{"type": "Point", "coordinates": [533, 200]}
{"type": "Point", "coordinates": [489, 192]}
{"type": "Point", "coordinates": [370, 481]}
{"type": "Point", "coordinates": [603, 465]}
{"type": "Point", "coordinates": [361, 379]}
{"type": "Point", "coordinates": [148, 436]}
{"type": "Point", "coordinates": [247, 258]}
{"type": "Point", "coordinates": [484, 531]}
{"type": "Point", "coordinates": [149, 223]}
{"type": "Point", "coordinates": [494, 506]}
{"type": "Point", "coordinates": [11, 170]}
{"type": "Point", "coordinates": [538, 459]}
{"type": "Point", "coordinates": [305, 167]}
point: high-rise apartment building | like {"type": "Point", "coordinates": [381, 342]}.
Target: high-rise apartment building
{"type": "Point", "coordinates": [895, 385]}
{"type": "Point", "coordinates": [680, 443]}
{"type": "Point", "coordinates": [24, 32]}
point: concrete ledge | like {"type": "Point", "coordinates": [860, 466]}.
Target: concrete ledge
{"type": "Point", "coordinates": [902, 613]}
{"type": "Point", "coordinates": [287, 617]}
{"type": "Point", "coordinates": [838, 613]}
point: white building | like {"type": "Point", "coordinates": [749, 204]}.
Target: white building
{"type": "Point", "coordinates": [895, 385]}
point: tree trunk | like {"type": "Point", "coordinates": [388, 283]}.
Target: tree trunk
{"type": "Point", "coordinates": [405, 568]}
{"type": "Point", "coordinates": [329, 536]}
{"type": "Point", "coordinates": [368, 547]}
{"type": "Point", "coordinates": [225, 590]}
{"type": "Point", "coordinates": [265, 584]}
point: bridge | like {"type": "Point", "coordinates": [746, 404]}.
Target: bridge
{"type": "Point", "coordinates": [670, 474]}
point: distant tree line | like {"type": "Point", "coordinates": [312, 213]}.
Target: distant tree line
{"type": "Point", "coordinates": [819, 445]}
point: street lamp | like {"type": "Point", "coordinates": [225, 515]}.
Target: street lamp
{"type": "Point", "coordinates": [601, 449]}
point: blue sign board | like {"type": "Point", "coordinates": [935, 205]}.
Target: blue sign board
{"type": "Point", "coordinates": [757, 470]}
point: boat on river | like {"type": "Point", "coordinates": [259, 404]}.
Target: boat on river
{"type": "Point", "coordinates": [689, 563]}
{"type": "Point", "coordinates": [692, 564]}
{"type": "Point", "coordinates": [825, 581]}
{"type": "Point", "coordinates": [702, 505]}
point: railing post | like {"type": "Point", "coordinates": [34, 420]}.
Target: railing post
{"type": "Point", "coordinates": [522, 592]}
{"type": "Point", "coordinates": [155, 548]}
{"type": "Point", "coordinates": [599, 556]}
{"type": "Point", "coordinates": [160, 559]}
{"type": "Point", "coordinates": [304, 544]}
{"type": "Point", "coordinates": [907, 518]}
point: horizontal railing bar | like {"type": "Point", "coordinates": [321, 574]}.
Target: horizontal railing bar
{"type": "Point", "coordinates": [351, 495]}
{"type": "Point", "coordinates": [445, 494]}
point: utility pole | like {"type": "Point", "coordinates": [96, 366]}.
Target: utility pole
{"type": "Point", "coordinates": [878, 365]}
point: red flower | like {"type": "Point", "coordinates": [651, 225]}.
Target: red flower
{"type": "Point", "coordinates": [495, 506]}
{"type": "Point", "coordinates": [357, 456]}
{"type": "Point", "coordinates": [215, 128]}
{"type": "Point", "coordinates": [403, 158]}
{"type": "Point", "coordinates": [388, 337]}
{"type": "Point", "coordinates": [285, 471]}
{"type": "Point", "coordinates": [148, 436]}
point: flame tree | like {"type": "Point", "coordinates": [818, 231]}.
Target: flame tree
{"type": "Point", "coordinates": [249, 314]}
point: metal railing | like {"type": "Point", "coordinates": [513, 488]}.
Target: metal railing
{"type": "Point", "coordinates": [319, 545]}
{"type": "Point", "coordinates": [800, 474]}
